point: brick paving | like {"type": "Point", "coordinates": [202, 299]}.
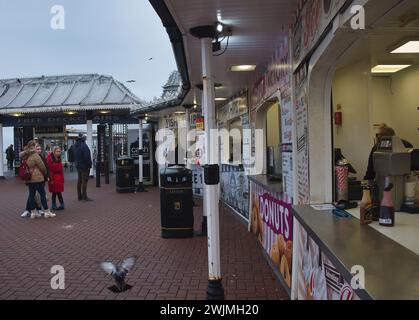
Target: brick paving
{"type": "Point", "coordinates": [112, 227]}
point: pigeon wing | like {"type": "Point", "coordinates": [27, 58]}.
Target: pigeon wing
{"type": "Point", "coordinates": [108, 267]}
{"type": "Point", "coordinates": [127, 264]}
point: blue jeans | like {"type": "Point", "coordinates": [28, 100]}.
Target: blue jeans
{"type": "Point", "coordinates": [40, 188]}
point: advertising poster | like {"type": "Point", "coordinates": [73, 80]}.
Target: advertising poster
{"type": "Point", "coordinates": [311, 23]}
{"type": "Point", "coordinates": [272, 223]}
{"type": "Point", "coordinates": [234, 187]}
{"type": "Point", "coordinates": [318, 279]}
{"type": "Point", "coordinates": [301, 121]}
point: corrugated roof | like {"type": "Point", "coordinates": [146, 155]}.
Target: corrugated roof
{"type": "Point", "coordinates": [65, 92]}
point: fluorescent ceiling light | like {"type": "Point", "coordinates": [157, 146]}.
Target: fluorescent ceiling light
{"type": "Point", "coordinates": [408, 47]}
{"type": "Point", "coordinates": [389, 68]}
{"type": "Point", "coordinates": [104, 111]}
{"type": "Point", "coordinates": [243, 67]}
{"type": "Point", "coordinates": [70, 112]}
{"type": "Point", "coordinates": [220, 99]}
{"type": "Point", "coordinates": [179, 112]}
{"type": "Point", "coordinates": [16, 114]}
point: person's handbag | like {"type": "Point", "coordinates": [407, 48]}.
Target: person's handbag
{"type": "Point", "coordinates": [24, 172]}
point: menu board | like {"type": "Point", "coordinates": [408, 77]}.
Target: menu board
{"type": "Point", "coordinates": [301, 121]}
{"type": "Point", "coordinates": [287, 170]}
{"type": "Point", "coordinates": [233, 109]}
{"type": "Point", "coordinates": [286, 119]}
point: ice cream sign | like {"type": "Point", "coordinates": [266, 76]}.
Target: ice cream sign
{"type": "Point", "coordinates": [276, 215]}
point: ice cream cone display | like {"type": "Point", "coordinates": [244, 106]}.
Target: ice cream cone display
{"type": "Point", "coordinates": [309, 293]}
{"type": "Point", "coordinates": [317, 277]}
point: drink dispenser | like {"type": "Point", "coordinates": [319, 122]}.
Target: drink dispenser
{"type": "Point", "coordinates": [392, 161]}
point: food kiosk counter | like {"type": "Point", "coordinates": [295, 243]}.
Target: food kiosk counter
{"type": "Point", "coordinates": [389, 256]}
{"type": "Point", "coordinates": [264, 181]}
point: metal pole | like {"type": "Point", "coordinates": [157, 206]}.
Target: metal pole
{"type": "Point", "coordinates": [2, 152]}
{"type": "Point", "coordinates": [187, 128]}
{"type": "Point", "coordinates": [204, 227]}
{"type": "Point", "coordinates": [215, 290]}
{"type": "Point", "coordinates": [140, 155]}
{"type": "Point", "coordinates": [89, 141]}
{"type": "Point", "coordinates": [111, 149]}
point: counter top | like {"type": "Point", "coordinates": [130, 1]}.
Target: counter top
{"type": "Point", "coordinates": [270, 185]}
{"type": "Point", "coordinates": [405, 231]}
{"type": "Point", "coordinates": [391, 270]}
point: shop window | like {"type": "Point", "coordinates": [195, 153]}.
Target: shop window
{"type": "Point", "coordinates": [273, 141]}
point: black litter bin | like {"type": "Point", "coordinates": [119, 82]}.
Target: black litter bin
{"type": "Point", "coordinates": [176, 202]}
{"type": "Point", "coordinates": [125, 179]}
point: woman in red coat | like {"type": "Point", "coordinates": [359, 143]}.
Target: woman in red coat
{"type": "Point", "coordinates": [56, 178]}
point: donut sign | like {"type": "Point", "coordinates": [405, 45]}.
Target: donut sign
{"type": "Point", "coordinates": [271, 221]}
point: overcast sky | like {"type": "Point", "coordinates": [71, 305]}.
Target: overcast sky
{"type": "Point", "coordinates": [113, 37]}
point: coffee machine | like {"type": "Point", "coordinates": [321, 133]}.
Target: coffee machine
{"type": "Point", "coordinates": [392, 162]}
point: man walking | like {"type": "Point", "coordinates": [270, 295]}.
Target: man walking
{"type": "Point", "coordinates": [83, 160]}
{"type": "Point", "coordinates": [10, 156]}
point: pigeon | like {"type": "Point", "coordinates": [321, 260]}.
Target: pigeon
{"type": "Point", "coordinates": [118, 272]}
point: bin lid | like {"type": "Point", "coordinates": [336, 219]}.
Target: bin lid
{"type": "Point", "coordinates": [175, 170]}
{"type": "Point", "coordinates": [125, 160]}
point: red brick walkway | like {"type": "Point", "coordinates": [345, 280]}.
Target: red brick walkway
{"type": "Point", "coordinates": [112, 227]}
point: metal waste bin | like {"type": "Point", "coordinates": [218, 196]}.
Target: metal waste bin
{"type": "Point", "coordinates": [125, 180]}
{"type": "Point", "coordinates": [176, 202]}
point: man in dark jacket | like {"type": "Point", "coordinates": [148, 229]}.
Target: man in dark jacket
{"type": "Point", "coordinates": [83, 160]}
{"type": "Point", "coordinates": [10, 156]}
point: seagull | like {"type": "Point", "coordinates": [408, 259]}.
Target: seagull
{"type": "Point", "coordinates": [118, 272]}
{"type": "Point", "coordinates": [130, 81]}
